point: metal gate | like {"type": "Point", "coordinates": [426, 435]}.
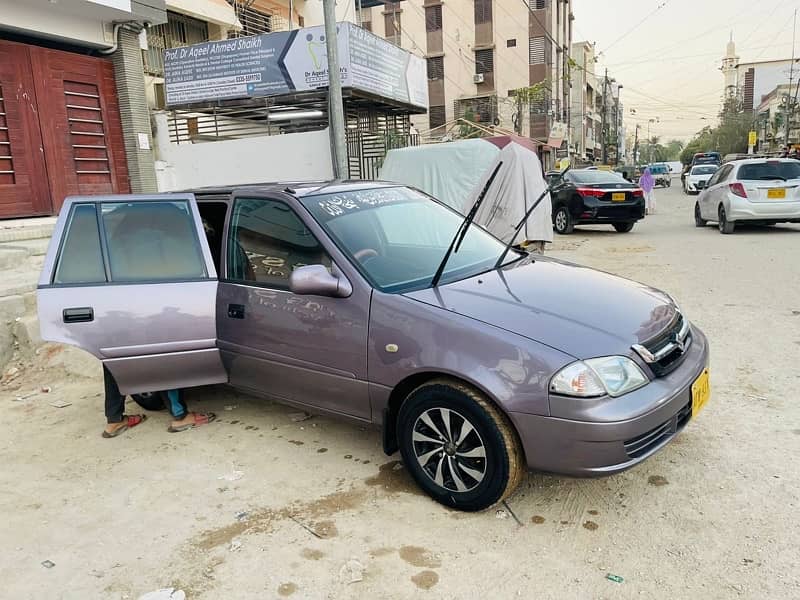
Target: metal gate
{"type": "Point", "coordinates": [371, 133]}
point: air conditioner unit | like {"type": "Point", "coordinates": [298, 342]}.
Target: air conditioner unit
{"type": "Point", "coordinates": [477, 78]}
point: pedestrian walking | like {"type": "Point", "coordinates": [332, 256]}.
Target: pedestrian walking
{"type": "Point", "coordinates": [647, 183]}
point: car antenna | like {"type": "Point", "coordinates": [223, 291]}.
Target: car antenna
{"type": "Point", "coordinates": [522, 221]}
{"type": "Point", "coordinates": [462, 230]}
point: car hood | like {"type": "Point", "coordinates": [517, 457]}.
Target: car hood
{"type": "Point", "coordinates": [575, 309]}
{"type": "Point", "coordinates": [700, 177]}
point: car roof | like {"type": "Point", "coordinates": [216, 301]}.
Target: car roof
{"type": "Point", "coordinates": [298, 189]}
{"type": "Point", "coordinates": [763, 159]}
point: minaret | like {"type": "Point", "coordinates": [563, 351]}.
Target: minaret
{"type": "Point", "coordinates": [729, 66]}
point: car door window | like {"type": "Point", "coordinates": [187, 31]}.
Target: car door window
{"type": "Point", "coordinates": [151, 241]}
{"type": "Point", "coordinates": [130, 242]}
{"type": "Point", "coordinates": [267, 241]}
{"type": "Point", "coordinates": [81, 259]}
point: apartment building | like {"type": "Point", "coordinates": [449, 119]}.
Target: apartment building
{"type": "Point", "coordinates": [479, 52]}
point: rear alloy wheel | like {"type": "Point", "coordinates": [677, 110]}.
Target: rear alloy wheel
{"type": "Point", "coordinates": [459, 448]}
{"type": "Point", "coordinates": [624, 227]}
{"type": "Point", "coordinates": [698, 220]}
{"type": "Point", "coordinates": [725, 226]}
{"type": "Point", "coordinates": [150, 400]}
{"type": "Point", "coordinates": [563, 221]}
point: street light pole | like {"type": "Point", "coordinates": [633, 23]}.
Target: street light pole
{"type": "Point", "coordinates": [603, 116]}
{"type": "Point", "coordinates": [335, 104]}
{"type": "Point", "coordinates": [789, 112]}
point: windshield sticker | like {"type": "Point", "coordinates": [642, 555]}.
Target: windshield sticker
{"type": "Point", "coordinates": [339, 204]}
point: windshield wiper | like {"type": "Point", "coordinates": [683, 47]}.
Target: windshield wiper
{"type": "Point", "coordinates": [461, 232]}
{"type": "Point", "coordinates": [522, 222]}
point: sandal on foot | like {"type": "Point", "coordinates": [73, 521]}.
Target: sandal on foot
{"type": "Point", "coordinates": [199, 419]}
{"type": "Point", "coordinates": [129, 421]}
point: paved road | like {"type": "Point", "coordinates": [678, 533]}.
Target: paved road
{"type": "Point", "coordinates": [712, 516]}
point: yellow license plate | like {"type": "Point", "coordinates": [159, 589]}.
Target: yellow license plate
{"type": "Point", "coordinates": [776, 193]}
{"type": "Point", "coordinates": [618, 197]}
{"type": "Point", "coordinates": [701, 392]}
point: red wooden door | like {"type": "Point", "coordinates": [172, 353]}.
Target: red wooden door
{"type": "Point", "coordinates": [83, 135]}
{"type": "Point", "coordinates": [23, 178]}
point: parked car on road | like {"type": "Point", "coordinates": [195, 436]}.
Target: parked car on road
{"type": "Point", "coordinates": [754, 191]}
{"type": "Point", "coordinates": [325, 296]}
{"type": "Point", "coordinates": [582, 196]}
{"type": "Point", "coordinates": [697, 178]}
{"type": "Point", "coordinates": [701, 158]}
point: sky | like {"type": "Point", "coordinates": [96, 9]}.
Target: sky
{"type": "Point", "coordinates": [667, 53]}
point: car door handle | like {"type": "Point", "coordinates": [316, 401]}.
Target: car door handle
{"type": "Point", "coordinates": [236, 311]}
{"type": "Point", "coordinates": [78, 315]}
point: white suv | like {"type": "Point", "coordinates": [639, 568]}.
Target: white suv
{"type": "Point", "coordinates": [759, 191]}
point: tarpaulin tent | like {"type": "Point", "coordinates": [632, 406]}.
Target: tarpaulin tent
{"type": "Point", "coordinates": [456, 172]}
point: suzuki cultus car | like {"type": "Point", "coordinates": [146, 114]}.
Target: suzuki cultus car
{"type": "Point", "coordinates": [352, 299]}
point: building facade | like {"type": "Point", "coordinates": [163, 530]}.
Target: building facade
{"type": "Point", "coordinates": [750, 82]}
{"type": "Point", "coordinates": [479, 54]}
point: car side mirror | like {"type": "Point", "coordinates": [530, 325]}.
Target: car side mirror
{"type": "Point", "coordinates": [316, 280]}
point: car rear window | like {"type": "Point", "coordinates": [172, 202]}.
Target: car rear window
{"type": "Point", "coordinates": [594, 177]}
{"type": "Point", "coordinates": [704, 170]}
{"type": "Point", "coordinates": [769, 170]}
{"type": "Point", "coordinates": [81, 259]}
{"type": "Point", "coordinates": [151, 241]}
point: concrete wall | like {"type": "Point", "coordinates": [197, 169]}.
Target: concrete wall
{"type": "Point", "coordinates": [290, 157]}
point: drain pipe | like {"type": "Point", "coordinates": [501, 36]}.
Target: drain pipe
{"type": "Point", "coordinates": [137, 26]}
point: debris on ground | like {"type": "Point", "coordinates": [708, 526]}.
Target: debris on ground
{"type": "Point", "coordinates": [96, 573]}
{"type": "Point", "coordinates": [614, 578]}
{"type": "Point", "coordinates": [164, 594]}
{"type": "Point", "coordinates": [10, 375]}
{"type": "Point", "coordinates": [25, 396]}
{"type": "Point", "coordinates": [236, 545]}
{"type": "Point", "coordinates": [501, 514]}
{"type": "Point", "coordinates": [351, 572]}
{"type": "Point", "coordinates": [48, 564]}
{"type": "Point", "coordinates": [232, 476]}
{"type": "Point", "coordinates": [46, 390]}
{"type": "Point", "coordinates": [299, 416]}
{"type": "Point", "coordinates": [231, 407]}
{"type": "Point", "coordinates": [60, 403]}
{"type": "Point", "coordinates": [242, 515]}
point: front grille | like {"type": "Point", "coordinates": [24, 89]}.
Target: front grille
{"type": "Point", "coordinates": [648, 441]}
{"type": "Point", "coordinates": [673, 343]}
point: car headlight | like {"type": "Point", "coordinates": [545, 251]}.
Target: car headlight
{"type": "Point", "coordinates": [612, 375]}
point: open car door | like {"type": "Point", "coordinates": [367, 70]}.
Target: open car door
{"type": "Point", "coordinates": [131, 280]}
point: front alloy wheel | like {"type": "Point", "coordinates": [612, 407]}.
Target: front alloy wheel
{"type": "Point", "coordinates": [458, 446]}
{"type": "Point", "coordinates": [699, 221]}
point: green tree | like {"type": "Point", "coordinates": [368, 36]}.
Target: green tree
{"type": "Point", "coordinates": [673, 149]}
{"type": "Point", "coordinates": [728, 137]}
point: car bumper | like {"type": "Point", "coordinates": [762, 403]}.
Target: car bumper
{"type": "Point", "coordinates": [695, 186]}
{"type": "Point", "coordinates": [649, 419]}
{"type": "Point", "coordinates": [594, 211]}
{"type": "Point", "coordinates": [742, 209]}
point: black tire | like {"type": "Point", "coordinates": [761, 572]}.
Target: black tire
{"type": "Point", "coordinates": [725, 226]}
{"type": "Point", "coordinates": [698, 220]}
{"type": "Point", "coordinates": [669, 182]}
{"type": "Point", "coordinates": [624, 227]}
{"type": "Point", "coordinates": [502, 466]}
{"type": "Point", "coordinates": [150, 400]}
{"type": "Point", "coordinates": [563, 222]}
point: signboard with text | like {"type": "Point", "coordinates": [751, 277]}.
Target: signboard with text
{"type": "Point", "coordinates": [273, 64]}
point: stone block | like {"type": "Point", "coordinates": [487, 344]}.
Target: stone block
{"type": "Point", "coordinates": [11, 307]}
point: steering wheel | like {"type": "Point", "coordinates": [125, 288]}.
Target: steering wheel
{"type": "Point", "coordinates": [364, 254]}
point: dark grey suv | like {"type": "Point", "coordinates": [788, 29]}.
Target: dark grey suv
{"type": "Point", "coordinates": [321, 296]}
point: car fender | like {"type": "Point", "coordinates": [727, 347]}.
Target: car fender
{"type": "Point", "coordinates": [409, 338]}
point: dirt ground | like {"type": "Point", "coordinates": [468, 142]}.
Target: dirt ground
{"type": "Point", "coordinates": [260, 506]}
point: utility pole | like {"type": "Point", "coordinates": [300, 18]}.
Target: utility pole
{"type": "Point", "coordinates": [636, 146]}
{"type": "Point", "coordinates": [335, 104]}
{"type": "Point", "coordinates": [790, 100]}
{"type": "Point", "coordinates": [603, 117]}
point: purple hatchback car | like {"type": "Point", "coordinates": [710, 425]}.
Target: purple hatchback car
{"type": "Point", "coordinates": [320, 296]}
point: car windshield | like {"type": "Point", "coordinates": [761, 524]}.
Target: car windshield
{"type": "Point", "coordinates": [704, 170]}
{"type": "Point", "coordinates": [770, 170]}
{"type": "Point", "coordinates": [397, 237]}
{"type": "Point", "coordinates": [594, 177]}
